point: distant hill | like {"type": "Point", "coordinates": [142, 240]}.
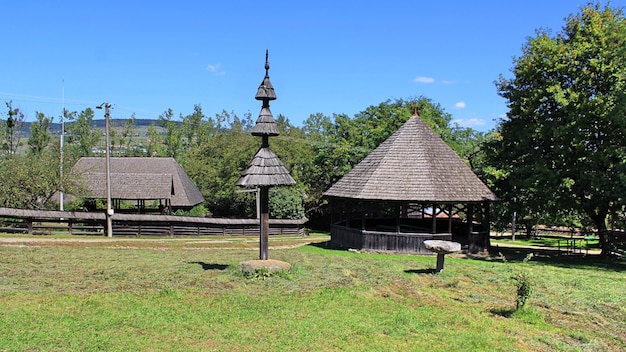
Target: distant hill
{"type": "Point", "coordinates": [55, 127]}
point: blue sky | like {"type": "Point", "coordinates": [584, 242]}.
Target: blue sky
{"type": "Point", "coordinates": [325, 56]}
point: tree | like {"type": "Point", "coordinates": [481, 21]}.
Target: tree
{"type": "Point", "coordinates": [39, 134]}
{"type": "Point", "coordinates": [173, 138]}
{"type": "Point", "coordinates": [30, 183]}
{"type": "Point", "coordinates": [83, 135]}
{"type": "Point", "coordinates": [191, 126]}
{"type": "Point", "coordinates": [13, 127]}
{"type": "Point", "coordinates": [215, 168]}
{"type": "Point", "coordinates": [562, 147]}
{"type": "Point", "coordinates": [128, 132]}
{"type": "Point", "coordinates": [154, 147]}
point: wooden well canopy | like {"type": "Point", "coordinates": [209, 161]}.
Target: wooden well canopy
{"type": "Point", "coordinates": [413, 183]}
{"type": "Point", "coordinates": [265, 170]}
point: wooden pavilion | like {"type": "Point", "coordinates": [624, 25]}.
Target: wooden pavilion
{"type": "Point", "coordinates": [412, 188]}
{"type": "Point", "coordinates": [139, 179]}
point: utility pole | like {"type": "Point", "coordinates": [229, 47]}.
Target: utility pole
{"type": "Point", "coordinates": [109, 211]}
{"type": "Point", "coordinates": [61, 195]}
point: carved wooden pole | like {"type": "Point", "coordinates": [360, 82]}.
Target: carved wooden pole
{"type": "Point", "coordinates": [265, 223]}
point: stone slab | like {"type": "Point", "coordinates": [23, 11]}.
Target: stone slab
{"type": "Point", "coordinates": [442, 247]}
{"type": "Point", "coordinates": [272, 265]}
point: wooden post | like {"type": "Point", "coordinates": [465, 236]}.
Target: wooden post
{"type": "Point", "coordinates": [450, 218]}
{"type": "Point", "coordinates": [473, 246]}
{"type": "Point", "coordinates": [440, 260]}
{"type": "Point", "coordinates": [397, 211]}
{"type": "Point", "coordinates": [363, 215]}
{"type": "Point", "coordinates": [264, 223]}
{"type": "Point", "coordinates": [434, 228]}
{"type": "Point", "coordinates": [487, 223]}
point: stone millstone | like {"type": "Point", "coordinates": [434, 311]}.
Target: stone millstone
{"type": "Point", "coordinates": [442, 247]}
{"type": "Point", "coordinates": [272, 265]}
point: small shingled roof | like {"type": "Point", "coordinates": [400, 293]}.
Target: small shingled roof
{"type": "Point", "coordinates": [265, 169]}
{"type": "Point", "coordinates": [139, 178]}
{"type": "Point", "coordinates": [413, 164]}
{"type": "Point", "coordinates": [265, 124]}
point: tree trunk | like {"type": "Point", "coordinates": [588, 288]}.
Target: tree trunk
{"type": "Point", "coordinates": [599, 219]}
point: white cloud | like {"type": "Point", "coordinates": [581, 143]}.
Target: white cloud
{"type": "Point", "coordinates": [422, 79]}
{"type": "Point", "coordinates": [460, 105]}
{"type": "Point", "coordinates": [215, 69]}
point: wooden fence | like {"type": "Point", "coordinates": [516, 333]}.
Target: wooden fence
{"type": "Point", "coordinates": [41, 222]}
{"type": "Point", "coordinates": [617, 240]}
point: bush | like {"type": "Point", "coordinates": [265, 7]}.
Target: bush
{"type": "Point", "coordinates": [524, 289]}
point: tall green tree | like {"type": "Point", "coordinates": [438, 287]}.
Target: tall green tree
{"type": "Point", "coordinates": [128, 132]}
{"type": "Point", "coordinates": [190, 126]}
{"type": "Point", "coordinates": [173, 138]}
{"type": "Point", "coordinates": [83, 134]}
{"type": "Point", "coordinates": [40, 135]}
{"type": "Point", "coordinates": [154, 147]}
{"type": "Point", "coordinates": [12, 131]}
{"type": "Point", "coordinates": [562, 147]}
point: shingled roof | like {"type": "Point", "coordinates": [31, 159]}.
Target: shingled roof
{"type": "Point", "coordinates": [265, 169]}
{"type": "Point", "coordinates": [139, 178]}
{"type": "Point", "coordinates": [413, 164]}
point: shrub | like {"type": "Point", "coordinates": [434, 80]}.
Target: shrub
{"type": "Point", "coordinates": [524, 289]}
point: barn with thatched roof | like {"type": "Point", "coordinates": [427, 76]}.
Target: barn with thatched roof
{"type": "Point", "coordinates": [411, 188]}
{"type": "Point", "coordinates": [139, 179]}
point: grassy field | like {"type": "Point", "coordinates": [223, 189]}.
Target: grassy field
{"type": "Point", "coordinates": [59, 294]}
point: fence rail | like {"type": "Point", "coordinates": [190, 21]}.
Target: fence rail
{"type": "Point", "coordinates": [42, 222]}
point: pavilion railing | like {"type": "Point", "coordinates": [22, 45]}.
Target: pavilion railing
{"type": "Point", "coordinates": [384, 241]}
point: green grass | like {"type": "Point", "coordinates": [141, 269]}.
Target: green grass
{"type": "Point", "coordinates": [550, 242]}
{"type": "Point", "coordinates": [189, 295]}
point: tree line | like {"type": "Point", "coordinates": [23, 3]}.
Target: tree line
{"type": "Point", "coordinates": [558, 157]}
{"type": "Point", "coordinates": [214, 150]}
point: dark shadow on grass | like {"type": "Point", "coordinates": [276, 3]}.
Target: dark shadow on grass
{"type": "Point", "coordinates": [328, 245]}
{"type": "Point", "coordinates": [503, 312]}
{"type": "Point", "coordinates": [550, 257]}
{"type": "Point", "coordinates": [210, 266]}
{"type": "Point", "coordinates": [421, 271]}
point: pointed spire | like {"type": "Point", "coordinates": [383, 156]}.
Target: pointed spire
{"type": "Point", "coordinates": [266, 89]}
{"type": "Point", "coordinates": [266, 169]}
{"type": "Point", "coordinates": [265, 124]}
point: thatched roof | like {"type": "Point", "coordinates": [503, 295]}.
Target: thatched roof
{"type": "Point", "coordinates": [413, 164]}
{"type": "Point", "coordinates": [265, 169]}
{"type": "Point", "coordinates": [139, 178]}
